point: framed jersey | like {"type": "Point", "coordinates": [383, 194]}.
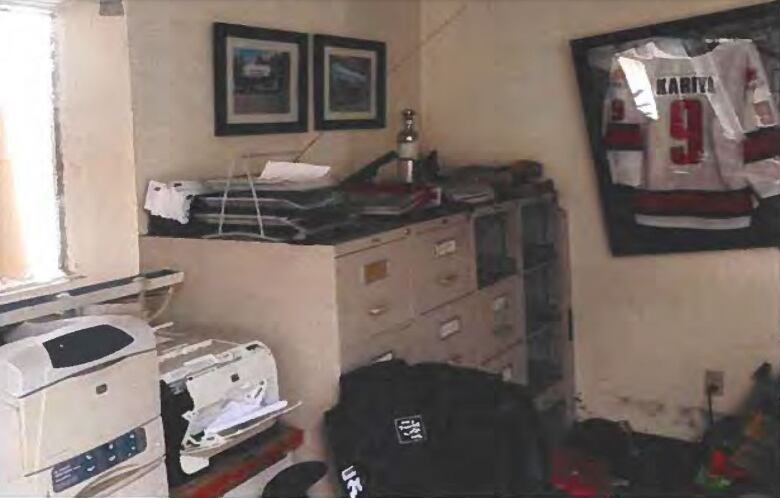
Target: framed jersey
{"type": "Point", "coordinates": [685, 131]}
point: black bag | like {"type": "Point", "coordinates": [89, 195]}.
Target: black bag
{"type": "Point", "coordinates": [431, 430]}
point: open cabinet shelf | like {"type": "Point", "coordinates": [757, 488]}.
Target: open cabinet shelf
{"type": "Point", "coordinates": [545, 278]}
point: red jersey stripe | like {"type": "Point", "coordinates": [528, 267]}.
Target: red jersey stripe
{"type": "Point", "coordinates": [694, 203]}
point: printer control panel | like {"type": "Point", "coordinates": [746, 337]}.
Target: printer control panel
{"type": "Point", "coordinates": [98, 460]}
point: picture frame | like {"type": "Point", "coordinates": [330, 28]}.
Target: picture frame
{"type": "Point", "coordinates": [349, 83]}
{"type": "Point", "coordinates": [594, 58]}
{"type": "Point", "coordinates": [260, 80]}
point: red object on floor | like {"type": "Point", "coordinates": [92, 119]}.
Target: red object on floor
{"type": "Point", "coordinates": [579, 475]}
{"type": "Point", "coordinates": [720, 465]}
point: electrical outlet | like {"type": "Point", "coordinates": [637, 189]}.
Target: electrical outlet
{"type": "Point", "coordinates": [715, 380]}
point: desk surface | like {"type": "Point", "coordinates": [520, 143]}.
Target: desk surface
{"type": "Point", "coordinates": [237, 465]}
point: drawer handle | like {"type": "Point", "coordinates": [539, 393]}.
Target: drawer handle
{"type": "Point", "coordinates": [507, 373]}
{"type": "Point", "coordinates": [448, 280]}
{"type": "Point", "coordinates": [500, 303]}
{"type": "Point", "coordinates": [388, 356]}
{"type": "Point", "coordinates": [378, 310]}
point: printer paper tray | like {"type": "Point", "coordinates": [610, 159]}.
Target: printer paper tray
{"type": "Point", "coordinates": [238, 436]}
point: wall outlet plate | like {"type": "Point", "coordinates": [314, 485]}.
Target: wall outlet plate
{"type": "Point", "coordinates": [714, 379]}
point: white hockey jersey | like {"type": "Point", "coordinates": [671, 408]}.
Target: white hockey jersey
{"type": "Point", "coordinates": [696, 137]}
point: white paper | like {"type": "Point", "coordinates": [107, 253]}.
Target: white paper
{"type": "Point", "coordinates": [239, 412]}
{"type": "Point", "coordinates": [280, 171]}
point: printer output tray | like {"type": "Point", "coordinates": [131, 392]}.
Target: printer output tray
{"type": "Point", "coordinates": [237, 435]}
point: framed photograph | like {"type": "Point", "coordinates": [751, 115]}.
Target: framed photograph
{"type": "Point", "coordinates": [349, 83]}
{"type": "Point", "coordinates": [685, 132]}
{"type": "Point", "coordinates": [260, 80]}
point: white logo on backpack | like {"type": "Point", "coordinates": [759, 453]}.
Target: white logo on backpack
{"type": "Point", "coordinates": [352, 482]}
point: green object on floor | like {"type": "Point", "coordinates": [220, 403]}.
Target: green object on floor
{"type": "Point", "coordinates": [711, 483]}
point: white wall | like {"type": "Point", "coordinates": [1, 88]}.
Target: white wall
{"type": "Point", "coordinates": [172, 80]}
{"type": "Point", "coordinates": [93, 84]}
{"type": "Point", "coordinates": [499, 84]}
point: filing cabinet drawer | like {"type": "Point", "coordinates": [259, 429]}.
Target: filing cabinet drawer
{"type": "Point", "coordinates": [374, 240]}
{"type": "Point", "coordinates": [444, 263]}
{"type": "Point", "coordinates": [501, 311]}
{"type": "Point", "coordinates": [393, 344]}
{"type": "Point", "coordinates": [450, 334]}
{"type": "Point", "coordinates": [511, 365]}
{"type": "Point", "coordinates": [373, 290]}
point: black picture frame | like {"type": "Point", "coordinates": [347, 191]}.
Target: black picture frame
{"type": "Point", "coordinates": [625, 236]}
{"type": "Point", "coordinates": [327, 119]}
{"type": "Point", "coordinates": [290, 86]}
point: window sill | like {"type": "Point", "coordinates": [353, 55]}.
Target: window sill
{"type": "Point", "coordinates": [19, 290]}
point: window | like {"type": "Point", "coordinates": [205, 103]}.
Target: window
{"type": "Point", "coordinates": [30, 239]}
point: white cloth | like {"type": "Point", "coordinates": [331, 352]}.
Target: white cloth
{"type": "Point", "coordinates": [172, 200]}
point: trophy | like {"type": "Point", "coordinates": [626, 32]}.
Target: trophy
{"type": "Point", "coordinates": [407, 148]}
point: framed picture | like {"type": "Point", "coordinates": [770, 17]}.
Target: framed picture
{"type": "Point", "coordinates": [683, 125]}
{"type": "Point", "coordinates": [349, 83]}
{"type": "Point", "coordinates": [260, 80]}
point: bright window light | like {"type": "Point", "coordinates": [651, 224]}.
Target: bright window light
{"type": "Point", "coordinates": [27, 145]}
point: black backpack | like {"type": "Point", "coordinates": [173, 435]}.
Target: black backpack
{"type": "Point", "coordinates": [431, 430]}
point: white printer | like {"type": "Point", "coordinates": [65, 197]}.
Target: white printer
{"type": "Point", "coordinates": [80, 410]}
{"type": "Point", "coordinates": [218, 394]}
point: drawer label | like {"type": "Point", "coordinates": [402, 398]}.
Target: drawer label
{"type": "Point", "coordinates": [375, 271]}
{"type": "Point", "coordinates": [445, 248]}
{"type": "Point", "coordinates": [410, 430]}
{"type": "Point", "coordinates": [449, 328]}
